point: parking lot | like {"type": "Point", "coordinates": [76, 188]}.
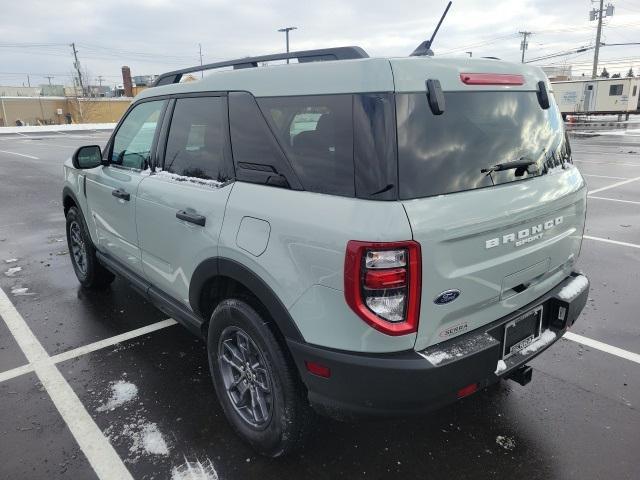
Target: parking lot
{"type": "Point", "coordinates": [64, 352]}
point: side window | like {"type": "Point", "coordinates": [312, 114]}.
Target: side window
{"type": "Point", "coordinates": [133, 140]}
{"type": "Point", "coordinates": [316, 133]}
{"type": "Point", "coordinates": [615, 90]}
{"type": "Point", "coordinates": [197, 141]}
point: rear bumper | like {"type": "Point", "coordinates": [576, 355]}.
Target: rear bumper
{"type": "Point", "coordinates": [408, 382]}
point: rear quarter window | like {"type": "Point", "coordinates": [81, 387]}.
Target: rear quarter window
{"type": "Point", "coordinates": [316, 133]}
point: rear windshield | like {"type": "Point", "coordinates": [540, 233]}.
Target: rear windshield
{"type": "Point", "coordinates": [439, 154]}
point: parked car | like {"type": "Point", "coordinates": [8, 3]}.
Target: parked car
{"type": "Point", "coordinates": [360, 236]}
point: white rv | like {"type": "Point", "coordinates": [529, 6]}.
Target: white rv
{"type": "Point", "coordinates": [602, 95]}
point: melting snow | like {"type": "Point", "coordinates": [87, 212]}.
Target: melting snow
{"type": "Point", "coordinates": [20, 291]}
{"type": "Point", "coordinates": [437, 357]}
{"type": "Point", "coordinates": [501, 367]}
{"type": "Point", "coordinates": [507, 443]}
{"type": "Point", "coordinates": [11, 260]}
{"type": "Point", "coordinates": [181, 178]}
{"type": "Point", "coordinates": [121, 393]}
{"type": "Point", "coordinates": [12, 271]}
{"type": "Point", "coordinates": [573, 288]}
{"type": "Point", "coordinates": [545, 339]}
{"type": "Point", "coordinates": [194, 471]}
{"type": "Point", "coordinates": [145, 439]}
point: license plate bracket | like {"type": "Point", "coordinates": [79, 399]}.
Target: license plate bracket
{"type": "Point", "coordinates": [521, 332]}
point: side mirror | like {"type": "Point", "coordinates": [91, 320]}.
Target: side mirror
{"type": "Point", "coordinates": [89, 156]}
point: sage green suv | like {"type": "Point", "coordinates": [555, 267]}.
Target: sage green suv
{"type": "Point", "coordinates": [363, 236]}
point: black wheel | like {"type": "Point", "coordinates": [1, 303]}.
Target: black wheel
{"type": "Point", "coordinates": [257, 384]}
{"type": "Point", "coordinates": [83, 254]}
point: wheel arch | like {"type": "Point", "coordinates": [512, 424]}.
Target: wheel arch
{"type": "Point", "coordinates": [214, 276]}
{"type": "Point", "coordinates": [69, 199]}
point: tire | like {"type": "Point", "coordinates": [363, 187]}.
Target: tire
{"type": "Point", "coordinates": [279, 428]}
{"type": "Point", "coordinates": [88, 270]}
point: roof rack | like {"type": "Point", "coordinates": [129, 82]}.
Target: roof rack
{"type": "Point", "coordinates": [304, 56]}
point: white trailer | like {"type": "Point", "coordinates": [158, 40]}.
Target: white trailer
{"type": "Point", "coordinates": [599, 96]}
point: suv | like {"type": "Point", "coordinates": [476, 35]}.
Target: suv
{"type": "Point", "coordinates": [364, 236]}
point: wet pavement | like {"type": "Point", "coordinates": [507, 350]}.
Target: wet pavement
{"type": "Point", "coordinates": [578, 418]}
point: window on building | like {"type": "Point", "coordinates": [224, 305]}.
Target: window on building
{"type": "Point", "coordinates": [615, 90]}
{"type": "Point", "coordinates": [197, 141]}
{"type": "Point", "coordinates": [635, 90]}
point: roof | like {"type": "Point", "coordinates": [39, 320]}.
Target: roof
{"type": "Point", "coordinates": [364, 75]}
{"type": "Point", "coordinates": [589, 80]}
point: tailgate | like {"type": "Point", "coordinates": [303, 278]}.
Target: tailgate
{"type": "Point", "coordinates": [500, 247]}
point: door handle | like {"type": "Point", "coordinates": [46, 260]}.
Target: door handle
{"type": "Point", "coordinates": [191, 217]}
{"type": "Point", "coordinates": [119, 193]}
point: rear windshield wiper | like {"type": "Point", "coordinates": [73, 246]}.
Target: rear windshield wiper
{"type": "Point", "coordinates": [521, 165]}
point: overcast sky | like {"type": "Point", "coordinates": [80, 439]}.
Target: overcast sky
{"type": "Point", "coordinates": [152, 36]}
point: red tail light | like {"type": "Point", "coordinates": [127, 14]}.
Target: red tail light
{"type": "Point", "coordinates": [491, 79]}
{"type": "Point", "coordinates": [382, 284]}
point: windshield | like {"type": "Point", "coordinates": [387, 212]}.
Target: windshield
{"type": "Point", "coordinates": [440, 154]}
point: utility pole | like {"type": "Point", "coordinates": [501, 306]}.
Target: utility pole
{"type": "Point", "coordinates": [99, 79]}
{"type": "Point", "coordinates": [76, 65]}
{"type": "Point", "coordinates": [600, 13]}
{"type": "Point", "coordinates": [524, 45]}
{"type": "Point", "coordinates": [286, 31]}
{"type": "Point", "coordinates": [200, 49]}
{"type": "Point", "coordinates": [28, 81]}
{"type": "Point", "coordinates": [470, 54]}
{"type": "Point", "coordinates": [49, 77]}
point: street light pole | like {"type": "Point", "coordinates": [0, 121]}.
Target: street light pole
{"type": "Point", "coordinates": [286, 31]}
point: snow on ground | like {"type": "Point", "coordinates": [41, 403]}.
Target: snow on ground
{"type": "Point", "coordinates": [21, 291]}
{"type": "Point", "coordinates": [501, 367]}
{"type": "Point", "coordinates": [633, 132]}
{"type": "Point", "coordinates": [545, 339]}
{"type": "Point", "coordinates": [573, 288]}
{"type": "Point", "coordinates": [507, 443]}
{"type": "Point", "coordinates": [12, 271]}
{"type": "Point", "coordinates": [121, 393]}
{"type": "Point", "coordinates": [11, 260]}
{"type": "Point", "coordinates": [194, 471]}
{"type": "Point", "coordinates": [143, 438]}
{"type": "Point", "coordinates": [58, 128]}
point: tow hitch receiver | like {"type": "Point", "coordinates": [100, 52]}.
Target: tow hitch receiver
{"type": "Point", "coordinates": [522, 375]}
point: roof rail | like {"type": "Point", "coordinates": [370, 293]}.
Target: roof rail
{"type": "Point", "coordinates": [304, 56]}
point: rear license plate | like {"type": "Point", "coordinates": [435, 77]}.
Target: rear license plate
{"type": "Point", "coordinates": [521, 332]}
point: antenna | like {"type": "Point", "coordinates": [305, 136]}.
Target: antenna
{"type": "Point", "coordinates": [424, 49]}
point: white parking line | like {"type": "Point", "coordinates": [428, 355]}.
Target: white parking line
{"type": "Point", "coordinates": [20, 154]}
{"type": "Point", "coordinates": [604, 176]}
{"type": "Point", "coordinates": [615, 242]}
{"type": "Point", "coordinates": [589, 342]}
{"type": "Point", "coordinates": [609, 163]}
{"type": "Point", "coordinates": [614, 200]}
{"type": "Point", "coordinates": [617, 184]}
{"type": "Point", "coordinates": [15, 372]}
{"type": "Point", "coordinates": [107, 342]}
{"type": "Point", "coordinates": [99, 452]}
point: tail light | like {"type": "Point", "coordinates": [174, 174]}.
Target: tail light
{"type": "Point", "coordinates": [382, 284]}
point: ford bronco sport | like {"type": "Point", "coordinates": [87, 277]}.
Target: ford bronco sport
{"type": "Point", "coordinates": [364, 236]}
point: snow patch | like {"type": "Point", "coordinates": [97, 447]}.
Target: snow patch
{"type": "Point", "coordinates": [145, 438]}
{"type": "Point", "coordinates": [573, 288]}
{"type": "Point", "coordinates": [195, 471]}
{"type": "Point", "coordinates": [12, 271]}
{"type": "Point", "coordinates": [11, 260]}
{"type": "Point", "coordinates": [437, 357]}
{"type": "Point", "coordinates": [507, 443]}
{"type": "Point", "coordinates": [173, 177]}
{"type": "Point", "coordinates": [21, 291]}
{"type": "Point", "coordinates": [121, 393]}
{"type": "Point", "coordinates": [545, 339]}
{"type": "Point", "coordinates": [501, 367]}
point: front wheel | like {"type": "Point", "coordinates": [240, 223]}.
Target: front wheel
{"type": "Point", "coordinates": [88, 270]}
{"type": "Point", "coordinates": [257, 385]}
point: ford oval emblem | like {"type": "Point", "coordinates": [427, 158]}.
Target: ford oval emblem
{"type": "Point", "coordinates": [447, 296]}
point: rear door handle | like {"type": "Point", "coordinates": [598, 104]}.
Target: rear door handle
{"type": "Point", "coordinates": [119, 193]}
{"type": "Point", "coordinates": [191, 217]}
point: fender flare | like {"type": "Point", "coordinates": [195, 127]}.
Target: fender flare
{"type": "Point", "coordinates": [225, 267]}
{"type": "Point", "coordinates": [68, 192]}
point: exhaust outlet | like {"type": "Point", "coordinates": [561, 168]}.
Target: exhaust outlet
{"type": "Point", "coordinates": [522, 375]}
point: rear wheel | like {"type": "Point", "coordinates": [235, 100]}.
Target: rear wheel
{"type": "Point", "coordinates": [83, 254]}
{"type": "Point", "coordinates": [257, 385]}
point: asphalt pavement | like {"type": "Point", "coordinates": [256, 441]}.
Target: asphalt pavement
{"type": "Point", "coordinates": [99, 382]}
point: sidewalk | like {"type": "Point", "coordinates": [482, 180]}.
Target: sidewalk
{"type": "Point", "coordinates": [74, 127]}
